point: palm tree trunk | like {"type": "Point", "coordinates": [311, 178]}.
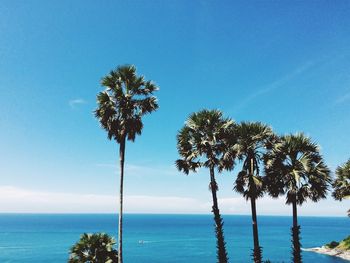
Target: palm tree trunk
{"type": "Point", "coordinates": [295, 235]}
{"type": "Point", "coordinates": [220, 241]}
{"type": "Point", "coordinates": [257, 249]}
{"type": "Point", "coordinates": [120, 225]}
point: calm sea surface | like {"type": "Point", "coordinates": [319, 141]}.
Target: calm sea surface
{"type": "Point", "coordinates": [167, 238]}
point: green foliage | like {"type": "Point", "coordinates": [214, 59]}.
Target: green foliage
{"type": "Point", "coordinates": [341, 184]}
{"type": "Point", "coordinates": [126, 98]}
{"type": "Point", "coordinates": [203, 141]}
{"type": "Point", "coordinates": [344, 244]}
{"type": "Point", "coordinates": [333, 244]}
{"type": "Point", "coordinates": [94, 248]}
{"type": "Point", "coordinates": [296, 168]}
{"type": "Point", "coordinates": [253, 140]}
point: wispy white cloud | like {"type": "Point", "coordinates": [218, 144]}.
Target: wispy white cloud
{"type": "Point", "coordinates": [14, 199]}
{"type": "Point", "coordinates": [75, 102]}
{"type": "Point", "coordinates": [344, 98]}
{"type": "Point", "coordinates": [19, 200]}
{"type": "Point", "coordinates": [275, 84]}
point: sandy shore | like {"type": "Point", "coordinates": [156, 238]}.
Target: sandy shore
{"type": "Point", "coordinates": [331, 252]}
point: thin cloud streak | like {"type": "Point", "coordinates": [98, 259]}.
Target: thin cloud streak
{"type": "Point", "coordinates": [276, 84]}
{"type": "Point", "coordinates": [75, 102]}
{"type": "Point", "coordinates": [343, 98]}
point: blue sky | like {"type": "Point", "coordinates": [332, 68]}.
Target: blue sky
{"type": "Point", "coordinates": [283, 63]}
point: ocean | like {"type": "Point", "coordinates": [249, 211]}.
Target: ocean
{"type": "Point", "coordinates": [35, 238]}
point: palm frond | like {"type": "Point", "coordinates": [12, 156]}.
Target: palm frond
{"type": "Point", "coordinates": [97, 247]}
{"type": "Point", "coordinates": [126, 98]}
{"type": "Point", "coordinates": [295, 167]}
{"type": "Point", "coordinates": [204, 139]}
{"type": "Point", "coordinates": [341, 184]}
{"type": "Point", "coordinates": [254, 139]}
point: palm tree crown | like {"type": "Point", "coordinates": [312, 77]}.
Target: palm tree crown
{"type": "Point", "coordinates": [94, 248]}
{"type": "Point", "coordinates": [296, 167]}
{"type": "Point", "coordinates": [125, 100]}
{"type": "Point", "coordinates": [254, 138]}
{"type": "Point", "coordinates": [203, 141]}
{"type": "Point", "coordinates": [341, 184]}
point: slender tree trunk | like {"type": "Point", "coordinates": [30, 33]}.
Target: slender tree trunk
{"type": "Point", "coordinates": [295, 235]}
{"type": "Point", "coordinates": [120, 225]}
{"type": "Point", "coordinates": [220, 241]}
{"type": "Point", "coordinates": [257, 249]}
{"type": "Point", "coordinates": [295, 214]}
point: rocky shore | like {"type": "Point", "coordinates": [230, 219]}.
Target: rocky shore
{"type": "Point", "coordinates": [344, 254]}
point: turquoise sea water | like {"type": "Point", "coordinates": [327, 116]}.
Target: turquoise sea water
{"type": "Point", "coordinates": [167, 238]}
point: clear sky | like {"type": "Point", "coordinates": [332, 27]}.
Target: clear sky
{"type": "Point", "coordinates": [285, 63]}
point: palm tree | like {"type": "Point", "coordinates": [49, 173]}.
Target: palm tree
{"type": "Point", "coordinates": [254, 139]}
{"type": "Point", "coordinates": [341, 184]}
{"type": "Point", "coordinates": [121, 106]}
{"type": "Point", "coordinates": [296, 168]}
{"type": "Point", "coordinates": [202, 142]}
{"type": "Point", "coordinates": [94, 248]}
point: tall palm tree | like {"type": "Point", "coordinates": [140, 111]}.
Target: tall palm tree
{"type": "Point", "coordinates": [296, 168]}
{"type": "Point", "coordinates": [121, 106]}
{"type": "Point", "coordinates": [202, 142]}
{"type": "Point", "coordinates": [94, 248]}
{"type": "Point", "coordinates": [254, 139]}
{"type": "Point", "coordinates": [341, 184]}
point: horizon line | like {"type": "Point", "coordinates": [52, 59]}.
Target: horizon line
{"type": "Point", "coordinates": [179, 214]}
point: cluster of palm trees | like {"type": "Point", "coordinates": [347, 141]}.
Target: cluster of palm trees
{"type": "Point", "coordinates": [289, 165]}
{"type": "Point", "coordinates": [273, 165]}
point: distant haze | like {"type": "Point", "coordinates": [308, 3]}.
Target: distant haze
{"type": "Point", "coordinates": [15, 200]}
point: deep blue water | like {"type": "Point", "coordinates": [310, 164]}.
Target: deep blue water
{"type": "Point", "coordinates": [167, 238]}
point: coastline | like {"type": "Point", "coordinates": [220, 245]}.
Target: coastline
{"type": "Point", "coordinates": [343, 254]}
